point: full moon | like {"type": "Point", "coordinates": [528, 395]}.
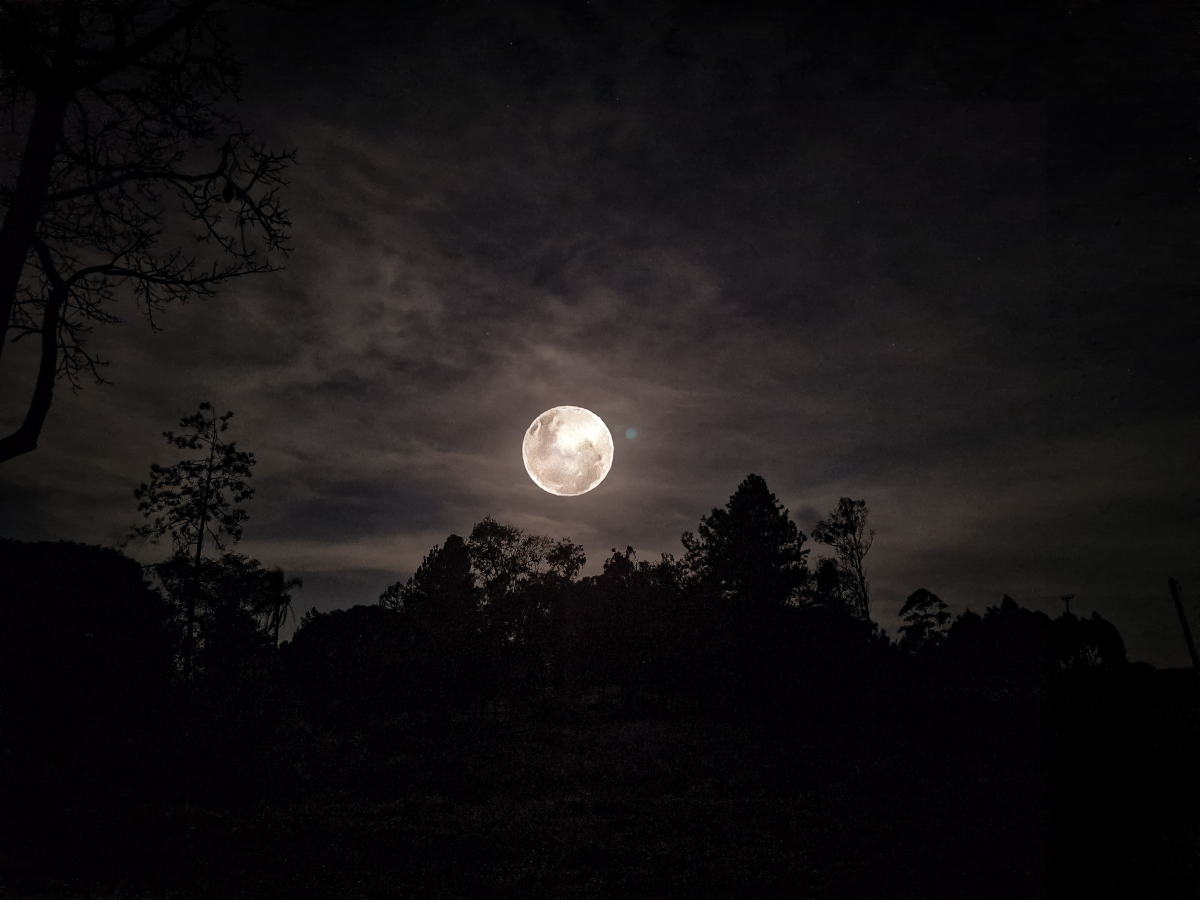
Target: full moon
{"type": "Point", "coordinates": [567, 450]}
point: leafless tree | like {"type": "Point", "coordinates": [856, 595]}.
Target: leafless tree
{"type": "Point", "coordinates": [121, 138]}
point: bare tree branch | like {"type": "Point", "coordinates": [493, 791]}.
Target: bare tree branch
{"type": "Point", "coordinates": [119, 100]}
{"type": "Point", "coordinates": [24, 439]}
{"type": "Point", "coordinates": [126, 56]}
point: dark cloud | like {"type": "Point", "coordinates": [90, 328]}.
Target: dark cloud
{"type": "Point", "coordinates": [944, 264]}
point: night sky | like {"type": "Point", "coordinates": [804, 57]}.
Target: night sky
{"type": "Point", "coordinates": [948, 266]}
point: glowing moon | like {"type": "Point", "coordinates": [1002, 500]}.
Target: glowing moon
{"type": "Point", "coordinates": [567, 450]}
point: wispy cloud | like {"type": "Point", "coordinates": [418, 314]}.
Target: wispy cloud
{"type": "Point", "coordinates": [755, 268]}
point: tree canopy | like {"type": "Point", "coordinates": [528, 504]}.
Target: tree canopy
{"type": "Point", "coordinates": [845, 530]}
{"type": "Point", "coordinates": [749, 552]}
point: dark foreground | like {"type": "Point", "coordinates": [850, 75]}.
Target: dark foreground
{"type": "Point", "coordinates": [1092, 793]}
{"type": "Point", "coordinates": [634, 734]}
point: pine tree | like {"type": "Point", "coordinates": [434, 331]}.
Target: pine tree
{"type": "Point", "coordinates": [750, 551]}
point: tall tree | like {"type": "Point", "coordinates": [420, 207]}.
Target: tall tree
{"type": "Point", "coordinates": [273, 601]}
{"type": "Point", "coordinates": [926, 620]}
{"type": "Point", "coordinates": [239, 602]}
{"type": "Point", "coordinates": [519, 573]}
{"type": "Point", "coordinates": [197, 497]}
{"type": "Point", "coordinates": [502, 556]}
{"type": "Point", "coordinates": [111, 103]}
{"type": "Point", "coordinates": [832, 587]}
{"type": "Point", "coordinates": [442, 588]}
{"type": "Point", "coordinates": [751, 550]}
{"type": "Point", "coordinates": [506, 558]}
{"type": "Point", "coordinates": [847, 533]}
{"type": "Point", "coordinates": [630, 629]}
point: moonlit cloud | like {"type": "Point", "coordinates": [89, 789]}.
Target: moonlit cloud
{"type": "Point", "coordinates": [736, 246]}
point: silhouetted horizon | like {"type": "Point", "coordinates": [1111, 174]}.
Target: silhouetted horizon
{"type": "Point", "coordinates": [941, 261]}
{"type": "Point", "coordinates": [559, 451]}
{"type": "Point", "coordinates": [160, 701]}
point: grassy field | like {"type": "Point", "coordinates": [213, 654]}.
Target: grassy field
{"type": "Point", "coordinates": [598, 806]}
{"type": "Point", "coordinates": [1091, 794]}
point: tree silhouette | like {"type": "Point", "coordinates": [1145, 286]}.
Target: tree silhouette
{"type": "Point", "coordinates": [273, 600]}
{"type": "Point", "coordinates": [846, 532]}
{"type": "Point", "coordinates": [443, 587]}
{"type": "Point", "coordinates": [87, 664]}
{"type": "Point", "coordinates": [502, 556]}
{"type": "Point", "coordinates": [833, 587]}
{"type": "Point", "coordinates": [239, 602]}
{"type": "Point", "coordinates": [112, 99]}
{"type": "Point", "coordinates": [444, 624]}
{"type": "Point", "coordinates": [1008, 645]}
{"type": "Point", "coordinates": [517, 573]}
{"type": "Point", "coordinates": [564, 559]}
{"type": "Point", "coordinates": [750, 551]}
{"type": "Point", "coordinates": [1080, 644]}
{"type": "Point", "coordinates": [926, 621]}
{"type": "Point", "coordinates": [197, 497]}
{"type": "Point", "coordinates": [485, 610]}
{"type": "Point", "coordinates": [630, 630]}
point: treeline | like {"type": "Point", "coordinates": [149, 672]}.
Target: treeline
{"type": "Point", "coordinates": [739, 623]}
{"type": "Point", "coordinates": [114, 676]}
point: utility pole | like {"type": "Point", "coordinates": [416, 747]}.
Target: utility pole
{"type": "Point", "coordinates": [1187, 632]}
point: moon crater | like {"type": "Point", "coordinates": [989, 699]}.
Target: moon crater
{"type": "Point", "coordinates": [567, 450]}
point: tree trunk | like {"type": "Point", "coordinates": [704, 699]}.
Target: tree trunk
{"type": "Point", "coordinates": [19, 228]}
{"type": "Point", "coordinates": [1183, 622]}
{"type": "Point", "coordinates": [25, 438]}
{"type": "Point", "coordinates": [195, 589]}
{"type": "Point", "coordinates": [862, 589]}
{"type": "Point", "coordinates": [37, 162]}
{"type": "Point", "coordinates": [28, 198]}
